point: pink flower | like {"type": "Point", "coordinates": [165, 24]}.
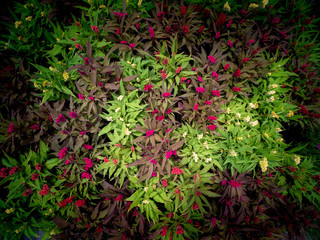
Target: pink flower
{"type": "Point", "coordinates": [169, 111]}
{"type": "Point", "coordinates": [200, 89]}
{"type": "Point", "coordinates": [78, 46]}
{"type": "Point", "coordinates": [225, 68]}
{"type": "Point", "coordinates": [119, 198]}
{"type": "Point", "coordinates": [118, 31]}
{"type": "Point", "coordinates": [236, 89]}
{"type": "Point", "coordinates": [229, 43]}
{"type": "Point", "coordinates": [176, 171]}
{"type": "Point", "coordinates": [154, 174]}
{"type": "Point", "coordinates": [87, 147]}
{"type": "Point", "coordinates": [201, 29]}
{"type": "Point", "coordinates": [148, 88]}
{"type": "Point", "coordinates": [38, 167]}
{"type": "Point", "coordinates": [229, 23]}
{"type": "Point", "coordinates": [207, 102]}
{"type": "Point", "coordinates": [245, 60]}
{"type": "Point", "coordinates": [160, 15]}
{"type": "Point", "coordinates": [251, 41]}
{"type": "Point", "coordinates": [195, 206]}
{"type": "Point", "coordinates": [86, 175]}
{"type": "Point", "coordinates": [91, 98]}
{"type": "Point", "coordinates": [217, 35]}
{"type": "Point", "coordinates": [212, 59]}
{"type": "Point", "coordinates": [45, 190]}
{"type": "Point", "coordinates": [179, 230]}
{"type": "Point", "coordinates": [170, 153]}
{"type": "Point", "coordinates": [132, 45]}
{"type": "Point", "coordinates": [237, 73]}
{"type": "Point", "coordinates": [183, 10]}
{"type": "Point", "coordinates": [211, 118]}
{"type": "Point", "coordinates": [178, 70]}
{"type": "Point", "coordinates": [83, 133]}
{"type": "Point", "coordinates": [234, 183]}
{"type": "Point", "coordinates": [275, 20]}
{"type": "Point", "coordinates": [212, 127]}
{"type": "Point", "coordinates": [194, 69]}
{"type": "Point", "coordinates": [89, 163]}
{"type": "Point", "coordinates": [165, 61]}
{"type": "Point", "coordinates": [151, 32]}
{"type": "Point", "coordinates": [11, 128]}
{"type": "Point", "coordinates": [149, 133]}
{"type": "Point", "coordinates": [95, 29]}
{"type": "Point", "coordinates": [154, 112]}
{"type": "Point", "coordinates": [73, 115]}
{"type": "Point", "coordinates": [216, 92]}
{"type": "Point", "coordinates": [123, 42]}
{"type": "Point", "coordinates": [35, 127]}
{"type": "Point", "coordinates": [153, 161]}
{"type": "Point", "coordinates": [200, 79]}
{"type": "Point", "coordinates": [164, 183]}
{"type": "Point", "coordinates": [160, 118]}
{"type": "Point", "coordinates": [80, 203]}
{"type": "Point", "coordinates": [166, 94]}
{"type": "Point", "coordinates": [215, 75]}
{"type": "Point", "coordinates": [196, 107]}
{"type": "Point", "coordinates": [60, 118]}
{"type": "Point", "coordinates": [183, 79]}
{"type": "Point", "coordinates": [80, 96]}
{"type": "Point", "coordinates": [185, 29]}
{"type": "Point", "coordinates": [163, 75]}
{"type": "Point", "coordinates": [62, 153]}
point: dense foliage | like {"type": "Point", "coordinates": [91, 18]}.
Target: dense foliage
{"type": "Point", "coordinates": [159, 120]}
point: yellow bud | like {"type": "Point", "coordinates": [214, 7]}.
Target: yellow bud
{"type": "Point", "coordinates": [227, 7]}
{"type": "Point", "coordinates": [28, 18]}
{"type": "Point", "coordinates": [65, 76]}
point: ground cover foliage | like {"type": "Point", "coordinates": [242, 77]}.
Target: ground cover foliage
{"type": "Point", "coordinates": [160, 120]}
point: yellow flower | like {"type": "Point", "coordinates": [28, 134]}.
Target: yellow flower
{"type": "Point", "coordinates": [139, 3]}
{"type": "Point", "coordinates": [44, 83]}
{"type": "Point", "coordinates": [280, 140]}
{"type": "Point", "coordinates": [43, 13]}
{"type": "Point", "coordinates": [264, 164]}
{"type": "Point", "coordinates": [248, 136]}
{"type": "Point", "coordinates": [53, 69]}
{"type": "Point", "coordinates": [70, 48]}
{"type": "Point", "coordinates": [58, 39]}
{"type": "Point", "coordinates": [265, 3]}
{"type": "Point", "coordinates": [154, 186]}
{"type": "Point", "coordinates": [29, 18]}
{"type": "Point", "coordinates": [274, 152]}
{"type": "Point", "coordinates": [45, 90]}
{"type": "Point", "coordinates": [253, 5]}
{"type": "Point", "coordinates": [8, 211]}
{"type": "Point", "coordinates": [25, 6]}
{"type": "Point", "coordinates": [17, 231]}
{"type": "Point", "coordinates": [31, 5]}
{"type": "Point", "coordinates": [17, 24]}
{"type": "Point", "coordinates": [266, 135]}
{"type": "Point", "coordinates": [226, 7]}
{"type": "Point", "coordinates": [274, 86]}
{"type": "Point", "coordinates": [296, 159]}
{"type": "Point", "coordinates": [274, 115]}
{"type": "Point", "coordinates": [233, 153]}
{"type": "Point", "coordinates": [269, 73]}
{"type": "Point", "coordinates": [52, 232]}
{"type": "Point", "coordinates": [278, 130]}
{"type": "Point", "coordinates": [65, 76]}
{"type": "Point", "coordinates": [102, 6]}
{"type": "Point", "coordinates": [290, 114]}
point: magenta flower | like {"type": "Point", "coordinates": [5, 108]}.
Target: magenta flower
{"type": "Point", "coordinates": [234, 183]}
{"type": "Point", "coordinates": [194, 69]}
{"type": "Point", "coordinates": [211, 118]}
{"type": "Point", "coordinates": [178, 70]}
{"type": "Point", "coordinates": [149, 133]}
{"type": "Point", "coordinates": [154, 112]}
{"type": "Point", "coordinates": [137, 25]}
{"type": "Point", "coordinates": [207, 102]}
{"type": "Point", "coordinates": [212, 127]}
{"type": "Point", "coordinates": [148, 88]}
{"type": "Point", "coordinates": [73, 115]}
{"type": "Point", "coordinates": [91, 98]}
{"type": "Point", "coordinates": [132, 45]}
{"type": "Point", "coordinates": [86, 175]}
{"type": "Point", "coordinates": [201, 29]}
{"type": "Point", "coordinates": [236, 89]}
{"type": "Point", "coordinates": [81, 96]}
{"type": "Point", "coordinates": [89, 163]}
{"type": "Point", "coordinates": [245, 60]}
{"type": "Point", "coordinates": [217, 35]}
{"type": "Point", "coordinates": [215, 75]}
{"type": "Point", "coordinates": [118, 31]}
{"type": "Point", "coordinates": [200, 79]}
{"type": "Point", "coordinates": [62, 153]}
{"type": "Point", "coordinates": [185, 29]}
{"type": "Point", "coordinates": [166, 94]}
{"type": "Point", "coordinates": [212, 59]}
{"type": "Point", "coordinates": [229, 23]}
{"type": "Point", "coordinates": [123, 42]}
{"type": "Point", "coordinates": [87, 147]}
{"type": "Point", "coordinates": [165, 61]}
{"type": "Point", "coordinates": [95, 29]}
{"type": "Point", "coordinates": [78, 46]}
{"type": "Point", "coordinates": [151, 32]}
{"type": "Point", "coordinates": [35, 127]}
{"type": "Point", "coordinates": [225, 68]}
{"type": "Point", "coordinates": [154, 174]}
{"type": "Point", "coordinates": [163, 75]}
{"type": "Point", "coordinates": [60, 118]}
{"type": "Point", "coordinates": [229, 43]}
{"type": "Point", "coordinates": [83, 133]}
{"type": "Point", "coordinates": [200, 89]}
{"type": "Point", "coordinates": [196, 107]}
{"type": "Point", "coordinates": [169, 111]}
{"type": "Point", "coordinates": [237, 73]}
{"type": "Point", "coordinates": [160, 118]}
{"type": "Point", "coordinates": [86, 61]}
{"type": "Point", "coordinates": [11, 128]}
{"type": "Point", "coordinates": [251, 41]}
{"type": "Point", "coordinates": [216, 92]}
{"type": "Point", "coordinates": [153, 161]}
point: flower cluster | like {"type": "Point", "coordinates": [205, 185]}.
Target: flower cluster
{"type": "Point", "coordinates": [80, 203]}
{"type": "Point", "coordinates": [264, 164]}
{"type": "Point", "coordinates": [45, 190]}
{"type": "Point", "coordinates": [176, 171]}
{"type": "Point", "coordinates": [64, 202]}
